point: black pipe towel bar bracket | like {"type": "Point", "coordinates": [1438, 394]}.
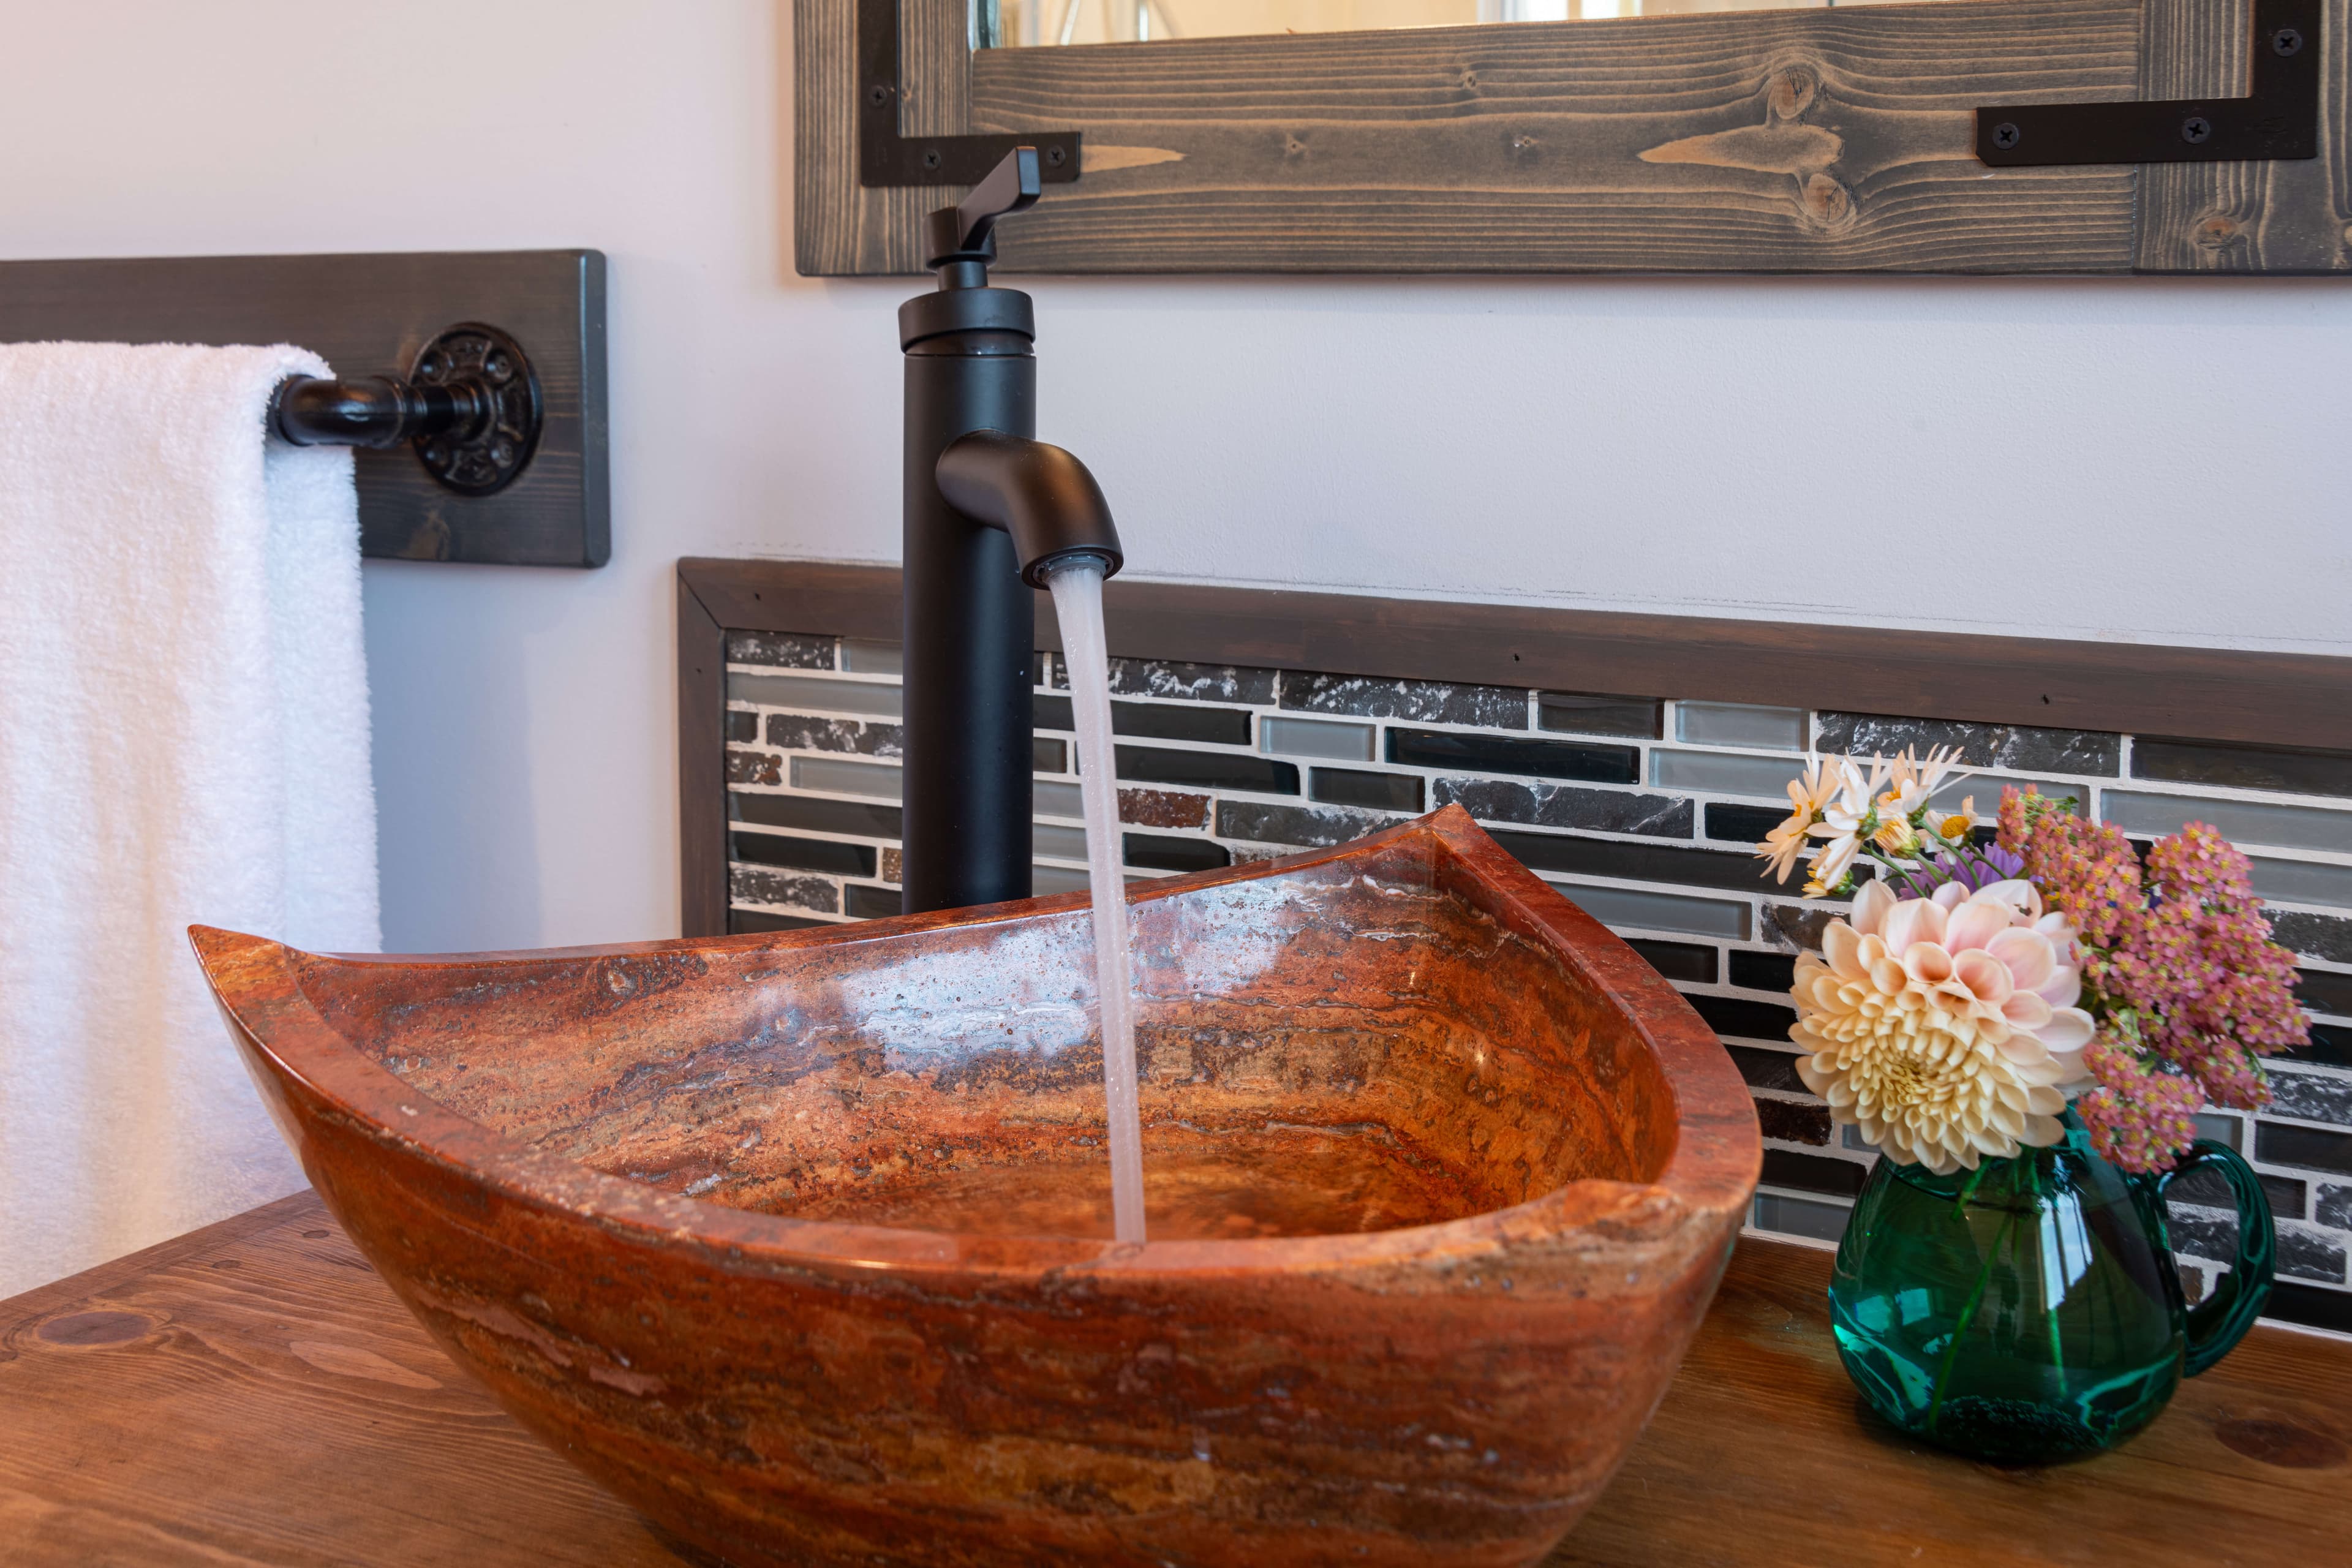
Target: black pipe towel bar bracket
{"type": "Point", "coordinates": [512, 468]}
{"type": "Point", "coordinates": [471, 407]}
{"type": "Point", "coordinates": [885, 156]}
{"type": "Point", "coordinates": [2278, 120]}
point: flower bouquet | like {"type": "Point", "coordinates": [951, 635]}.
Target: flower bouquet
{"type": "Point", "coordinates": [1976, 987]}
{"type": "Point", "coordinates": [2025, 1029]}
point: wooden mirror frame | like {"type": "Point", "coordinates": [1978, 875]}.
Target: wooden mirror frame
{"type": "Point", "coordinates": [1814, 141]}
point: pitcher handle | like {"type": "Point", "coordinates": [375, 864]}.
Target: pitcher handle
{"type": "Point", "coordinates": [2217, 1323]}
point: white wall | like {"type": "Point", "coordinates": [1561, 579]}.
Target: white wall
{"type": "Point", "coordinates": [2165, 461]}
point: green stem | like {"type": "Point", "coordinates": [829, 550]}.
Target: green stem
{"type": "Point", "coordinates": [1968, 1312]}
{"type": "Point", "coordinates": [1969, 1189]}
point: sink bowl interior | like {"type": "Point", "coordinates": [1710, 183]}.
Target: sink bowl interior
{"type": "Point", "coordinates": [1363, 1044]}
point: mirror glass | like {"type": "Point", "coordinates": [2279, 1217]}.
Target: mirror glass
{"type": "Point", "coordinates": [1005, 23]}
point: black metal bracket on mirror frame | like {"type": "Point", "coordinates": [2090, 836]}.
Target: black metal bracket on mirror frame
{"type": "Point", "coordinates": [471, 406]}
{"type": "Point", "coordinates": [2278, 120]}
{"type": "Point", "coordinates": [888, 157]}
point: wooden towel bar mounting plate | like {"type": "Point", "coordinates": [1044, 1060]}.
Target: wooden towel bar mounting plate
{"type": "Point", "coordinates": [369, 316]}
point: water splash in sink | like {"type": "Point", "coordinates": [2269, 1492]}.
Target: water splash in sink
{"type": "Point", "coordinates": [1077, 601]}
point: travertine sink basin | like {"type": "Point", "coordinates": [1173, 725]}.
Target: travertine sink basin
{"type": "Point", "coordinates": [799, 1243]}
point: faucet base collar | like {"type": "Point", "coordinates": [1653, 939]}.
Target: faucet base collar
{"type": "Point", "coordinates": [966, 310]}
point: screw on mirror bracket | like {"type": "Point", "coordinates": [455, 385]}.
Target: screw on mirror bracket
{"type": "Point", "coordinates": [2279, 119]}
{"type": "Point", "coordinates": [886, 157]}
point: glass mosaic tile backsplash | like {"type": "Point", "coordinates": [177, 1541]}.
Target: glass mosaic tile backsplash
{"type": "Point", "coordinates": [1642, 809]}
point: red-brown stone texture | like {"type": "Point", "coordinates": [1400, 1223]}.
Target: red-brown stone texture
{"type": "Point", "coordinates": [1162, 808]}
{"type": "Point", "coordinates": [798, 1241]}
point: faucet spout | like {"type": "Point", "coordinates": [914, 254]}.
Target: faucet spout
{"type": "Point", "coordinates": [1040, 494]}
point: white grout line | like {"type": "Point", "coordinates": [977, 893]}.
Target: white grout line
{"type": "Point", "coordinates": [1787, 1237]}
{"type": "Point", "coordinates": [841, 677]}
{"type": "Point", "coordinates": [1830, 1200]}
{"type": "Point", "coordinates": [2300, 856]}
{"type": "Point", "coordinates": [2284, 906]}
{"type": "Point", "coordinates": [828, 715]}
{"type": "Point", "coordinates": [817, 833]}
{"type": "Point", "coordinates": [794, 911]}
{"type": "Point", "coordinates": [1725, 989]}
{"type": "Point", "coordinates": [2284, 1119]}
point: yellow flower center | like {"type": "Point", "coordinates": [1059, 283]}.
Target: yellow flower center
{"type": "Point", "coordinates": [1956, 827]}
{"type": "Point", "coordinates": [1900, 1080]}
{"type": "Point", "coordinates": [1905, 1056]}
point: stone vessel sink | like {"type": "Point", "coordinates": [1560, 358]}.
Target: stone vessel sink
{"type": "Point", "coordinates": [800, 1243]}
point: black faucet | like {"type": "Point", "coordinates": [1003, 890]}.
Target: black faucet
{"type": "Point", "coordinates": [990, 513]}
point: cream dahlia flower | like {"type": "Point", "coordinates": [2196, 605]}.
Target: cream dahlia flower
{"type": "Point", "coordinates": [1944, 1027]}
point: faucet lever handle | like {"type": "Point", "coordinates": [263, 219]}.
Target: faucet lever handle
{"type": "Point", "coordinates": [965, 233]}
{"type": "Point", "coordinates": [1014, 186]}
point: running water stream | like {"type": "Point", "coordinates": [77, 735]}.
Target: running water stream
{"type": "Point", "coordinates": [1077, 602]}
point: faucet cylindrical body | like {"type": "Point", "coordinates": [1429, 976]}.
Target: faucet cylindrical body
{"type": "Point", "coordinates": [971, 629]}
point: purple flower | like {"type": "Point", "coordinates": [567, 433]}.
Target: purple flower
{"type": "Point", "coordinates": [1974, 869]}
{"type": "Point", "coordinates": [1980, 868]}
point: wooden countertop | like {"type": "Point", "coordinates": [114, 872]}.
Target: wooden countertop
{"type": "Point", "coordinates": [252, 1393]}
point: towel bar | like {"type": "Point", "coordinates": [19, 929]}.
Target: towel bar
{"type": "Point", "coordinates": [471, 407]}
{"type": "Point", "coordinates": [450, 496]}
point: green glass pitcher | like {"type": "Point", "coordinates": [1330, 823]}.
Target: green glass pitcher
{"type": "Point", "coordinates": [2030, 1310]}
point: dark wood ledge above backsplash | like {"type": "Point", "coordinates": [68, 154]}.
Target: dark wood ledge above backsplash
{"type": "Point", "coordinates": [2218, 694]}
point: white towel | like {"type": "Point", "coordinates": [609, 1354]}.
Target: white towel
{"type": "Point", "coordinates": [183, 737]}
